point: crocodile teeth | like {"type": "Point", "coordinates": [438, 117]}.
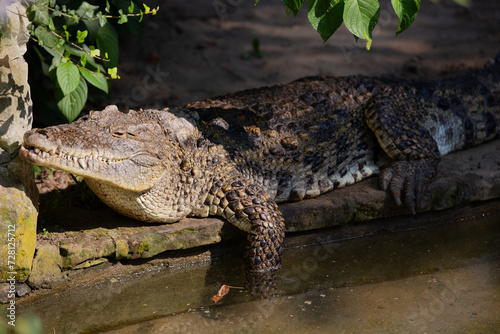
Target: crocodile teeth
{"type": "Point", "coordinates": [75, 160]}
{"type": "Point", "coordinates": [82, 163]}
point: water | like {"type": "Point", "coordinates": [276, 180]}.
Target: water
{"type": "Point", "coordinates": [431, 273]}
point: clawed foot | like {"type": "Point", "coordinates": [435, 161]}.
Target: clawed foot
{"type": "Point", "coordinates": [261, 284]}
{"type": "Point", "coordinates": [408, 180]}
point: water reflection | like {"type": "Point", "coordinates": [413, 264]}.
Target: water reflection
{"type": "Point", "coordinates": [421, 274]}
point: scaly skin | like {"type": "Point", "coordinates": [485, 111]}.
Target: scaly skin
{"type": "Point", "coordinates": [236, 156]}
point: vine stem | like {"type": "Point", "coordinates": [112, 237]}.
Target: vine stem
{"type": "Point", "coordinates": [74, 63]}
{"type": "Point", "coordinates": [107, 16]}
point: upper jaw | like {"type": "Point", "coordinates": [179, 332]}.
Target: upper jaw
{"type": "Point", "coordinates": [39, 149]}
{"type": "Point", "coordinates": [55, 158]}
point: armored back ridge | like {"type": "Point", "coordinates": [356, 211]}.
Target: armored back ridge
{"type": "Point", "coordinates": [236, 156]}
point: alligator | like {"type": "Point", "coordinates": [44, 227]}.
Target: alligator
{"type": "Point", "coordinates": [236, 156]}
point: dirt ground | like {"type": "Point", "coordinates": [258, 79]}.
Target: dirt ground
{"type": "Point", "coordinates": [198, 49]}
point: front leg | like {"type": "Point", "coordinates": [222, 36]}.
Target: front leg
{"type": "Point", "coordinates": [249, 207]}
{"type": "Point", "coordinates": [414, 152]}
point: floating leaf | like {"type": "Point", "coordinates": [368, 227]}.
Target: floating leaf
{"type": "Point", "coordinates": [68, 77]}
{"type": "Point", "coordinates": [224, 289]}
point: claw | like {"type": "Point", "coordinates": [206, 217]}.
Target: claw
{"type": "Point", "coordinates": [385, 178]}
{"type": "Point", "coordinates": [409, 178]}
{"type": "Point", "coordinates": [419, 191]}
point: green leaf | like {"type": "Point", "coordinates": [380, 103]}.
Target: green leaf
{"type": "Point", "coordinates": [39, 12]}
{"type": "Point", "coordinates": [113, 73]}
{"type": "Point", "coordinates": [325, 16]}
{"type": "Point", "coordinates": [81, 35]}
{"type": "Point", "coordinates": [57, 11]}
{"type": "Point", "coordinates": [66, 33]}
{"type": "Point", "coordinates": [52, 27]}
{"type": "Point", "coordinates": [74, 16]}
{"type": "Point", "coordinates": [107, 42]}
{"type": "Point", "coordinates": [72, 104]}
{"type": "Point", "coordinates": [102, 19]}
{"type": "Point", "coordinates": [79, 53]}
{"type": "Point", "coordinates": [294, 5]}
{"type": "Point", "coordinates": [360, 17]}
{"type": "Point", "coordinates": [95, 53]}
{"type": "Point", "coordinates": [123, 18]}
{"type": "Point", "coordinates": [47, 38]}
{"type": "Point", "coordinates": [68, 77]}
{"type": "Point", "coordinates": [86, 10]}
{"type": "Point", "coordinates": [56, 59]}
{"type": "Point", "coordinates": [45, 66]}
{"type": "Point", "coordinates": [406, 10]}
{"type": "Point", "coordinates": [131, 8]}
{"type": "Point", "coordinates": [95, 79]}
{"type": "Point", "coordinates": [60, 44]}
{"type": "Point", "coordinates": [83, 60]}
{"type": "Point", "coordinates": [93, 28]}
{"type": "Point", "coordinates": [146, 8]}
{"type": "Point", "coordinates": [107, 6]}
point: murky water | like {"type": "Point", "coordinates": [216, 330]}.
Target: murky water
{"type": "Point", "coordinates": [425, 274]}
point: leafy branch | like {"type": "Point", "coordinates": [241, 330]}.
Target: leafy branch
{"type": "Point", "coordinates": [78, 46]}
{"type": "Point", "coordinates": [359, 16]}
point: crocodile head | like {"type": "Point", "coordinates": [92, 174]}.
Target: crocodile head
{"type": "Point", "coordinates": [130, 150]}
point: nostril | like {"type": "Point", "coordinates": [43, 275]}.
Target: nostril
{"type": "Point", "coordinates": [119, 134]}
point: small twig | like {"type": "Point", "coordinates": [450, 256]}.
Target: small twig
{"type": "Point", "coordinates": [78, 47]}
